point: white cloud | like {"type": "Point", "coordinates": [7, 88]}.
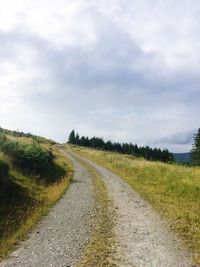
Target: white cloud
{"type": "Point", "coordinates": [126, 70]}
{"type": "Point", "coordinates": [59, 22]}
{"type": "Point", "coordinates": [168, 30]}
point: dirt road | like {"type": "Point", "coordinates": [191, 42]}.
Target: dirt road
{"type": "Point", "coordinates": [142, 238]}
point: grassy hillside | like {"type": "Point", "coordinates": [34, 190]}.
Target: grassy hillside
{"type": "Point", "coordinates": [33, 176]}
{"type": "Point", "coordinates": [26, 136]}
{"type": "Point", "coordinates": [173, 190]}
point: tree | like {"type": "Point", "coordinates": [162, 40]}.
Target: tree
{"type": "Point", "coordinates": [72, 139]}
{"type": "Point", "coordinates": [77, 139]}
{"type": "Point", "coordinates": [83, 141]}
{"type": "Point", "coordinates": [196, 149]}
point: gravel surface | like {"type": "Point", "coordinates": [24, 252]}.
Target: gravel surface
{"type": "Point", "coordinates": [143, 239]}
{"type": "Point", "coordinates": [59, 238]}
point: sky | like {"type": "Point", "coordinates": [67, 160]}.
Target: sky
{"type": "Point", "coordinates": [125, 70]}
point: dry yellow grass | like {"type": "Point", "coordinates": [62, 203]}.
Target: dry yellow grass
{"type": "Point", "coordinates": [173, 190]}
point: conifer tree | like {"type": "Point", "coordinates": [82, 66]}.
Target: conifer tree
{"type": "Point", "coordinates": [72, 139]}
{"type": "Point", "coordinates": [196, 149]}
{"type": "Point", "coordinates": [77, 139]}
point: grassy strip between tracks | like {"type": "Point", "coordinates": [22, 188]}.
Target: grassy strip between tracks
{"type": "Point", "coordinates": [100, 249]}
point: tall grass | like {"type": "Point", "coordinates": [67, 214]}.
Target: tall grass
{"type": "Point", "coordinates": [27, 195]}
{"type": "Point", "coordinates": [172, 190]}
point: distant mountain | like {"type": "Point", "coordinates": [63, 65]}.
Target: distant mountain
{"type": "Point", "coordinates": [183, 157]}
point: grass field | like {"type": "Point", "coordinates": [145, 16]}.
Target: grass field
{"type": "Point", "coordinates": [25, 196]}
{"type": "Point", "coordinates": [173, 190]}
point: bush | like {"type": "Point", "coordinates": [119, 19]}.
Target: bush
{"type": "Point", "coordinates": [31, 157]}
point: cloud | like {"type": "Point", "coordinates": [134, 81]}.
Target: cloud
{"type": "Point", "coordinates": [180, 138]}
{"type": "Point", "coordinates": [59, 23]}
{"type": "Point", "coordinates": [125, 70]}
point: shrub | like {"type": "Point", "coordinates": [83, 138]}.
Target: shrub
{"type": "Point", "coordinates": [31, 157]}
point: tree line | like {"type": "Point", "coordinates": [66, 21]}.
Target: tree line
{"type": "Point", "coordinates": [196, 149]}
{"type": "Point", "coordinates": [154, 154]}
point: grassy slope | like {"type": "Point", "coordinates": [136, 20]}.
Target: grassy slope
{"type": "Point", "coordinates": [173, 190]}
{"type": "Point", "coordinates": [24, 198]}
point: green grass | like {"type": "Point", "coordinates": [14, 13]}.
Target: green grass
{"type": "Point", "coordinates": [26, 196]}
{"type": "Point", "coordinates": [173, 190]}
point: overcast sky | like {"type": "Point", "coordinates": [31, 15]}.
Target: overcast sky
{"type": "Point", "coordinates": [126, 70]}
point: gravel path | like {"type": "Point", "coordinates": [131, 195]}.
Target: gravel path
{"type": "Point", "coordinates": [59, 238]}
{"type": "Point", "coordinates": [143, 239]}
